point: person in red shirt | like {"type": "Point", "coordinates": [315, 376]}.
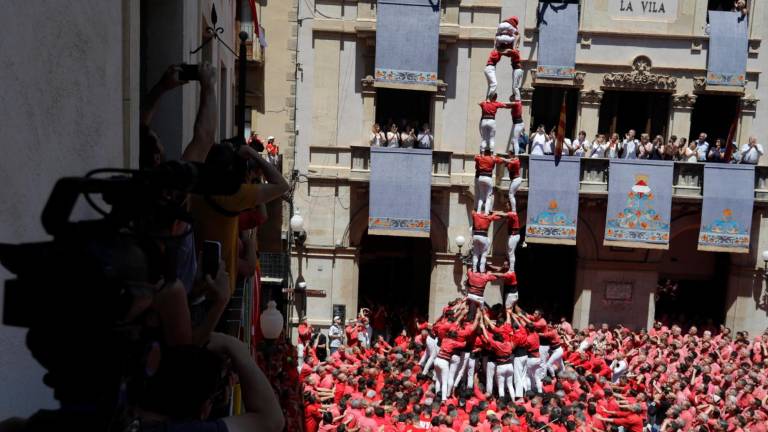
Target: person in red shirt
{"type": "Point", "coordinates": [488, 121]}
{"type": "Point", "coordinates": [513, 165]}
{"type": "Point", "coordinates": [490, 68]}
{"type": "Point", "coordinates": [481, 245]}
{"type": "Point", "coordinates": [513, 231]}
{"type": "Point", "coordinates": [448, 346]}
{"type": "Point", "coordinates": [485, 164]}
{"type": "Point", "coordinates": [273, 150]}
{"type": "Point", "coordinates": [506, 32]}
{"type": "Point", "coordinates": [476, 282]}
{"type": "Point", "coordinates": [501, 349]}
{"type": "Point", "coordinates": [517, 73]}
{"type": "Point", "coordinates": [632, 422]}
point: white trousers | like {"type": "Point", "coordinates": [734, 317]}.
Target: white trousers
{"type": "Point", "coordinates": [453, 371]}
{"type": "Point", "coordinates": [511, 245]}
{"type": "Point", "coordinates": [462, 367]}
{"type": "Point", "coordinates": [487, 134]}
{"type": "Point", "coordinates": [505, 27]}
{"type": "Point", "coordinates": [504, 40]}
{"type": "Point", "coordinates": [490, 373]}
{"type": "Point", "coordinates": [514, 138]}
{"type": "Point", "coordinates": [521, 378]}
{"type": "Point", "coordinates": [483, 194]}
{"type": "Point", "coordinates": [470, 371]}
{"type": "Point", "coordinates": [535, 374]}
{"type": "Point", "coordinates": [505, 375]}
{"type": "Point", "coordinates": [517, 81]}
{"type": "Point", "coordinates": [490, 76]}
{"type": "Point", "coordinates": [480, 248]}
{"type": "Point", "coordinates": [300, 355]}
{"type": "Point", "coordinates": [544, 357]}
{"type": "Point", "coordinates": [514, 186]}
{"type": "Point", "coordinates": [555, 361]}
{"type": "Point", "coordinates": [429, 354]}
{"type": "Point", "coordinates": [443, 371]}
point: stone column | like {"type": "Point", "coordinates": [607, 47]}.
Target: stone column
{"type": "Point", "coordinates": [747, 294]}
{"type": "Point", "coordinates": [748, 109]}
{"type": "Point", "coordinates": [445, 283]}
{"type": "Point", "coordinates": [589, 112]}
{"type": "Point", "coordinates": [438, 103]}
{"type": "Point", "coordinates": [369, 108]}
{"type": "Point", "coordinates": [526, 97]}
{"type": "Point", "coordinates": [680, 118]}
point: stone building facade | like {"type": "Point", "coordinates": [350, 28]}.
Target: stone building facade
{"type": "Point", "coordinates": [616, 55]}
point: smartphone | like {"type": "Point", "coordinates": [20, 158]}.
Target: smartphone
{"type": "Point", "coordinates": [189, 72]}
{"type": "Point", "coordinates": [211, 258]}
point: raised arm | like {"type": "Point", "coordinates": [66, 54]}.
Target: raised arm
{"type": "Point", "coordinates": [205, 122]}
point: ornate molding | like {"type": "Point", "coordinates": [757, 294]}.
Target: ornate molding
{"type": "Point", "coordinates": [591, 97]}
{"type": "Point", "coordinates": [640, 78]}
{"type": "Point", "coordinates": [699, 83]}
{"type": "Point", "coordinates": [578, 79]}
{"type": "Point", "coordinates": [526, 94]}
{"type": "Point", "coordinates": [683, 101]}
{"type": "Point", "coordinates": [749, 103]}
{"type": "Point", "coordinates": [442, 87]}
{"type": "Point", "coordinates": [367, 84]}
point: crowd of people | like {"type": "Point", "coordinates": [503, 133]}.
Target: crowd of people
{"type": "Point", "coordinates": [406, 134]}
{"type": "Point", "coordinates": [501, 369]}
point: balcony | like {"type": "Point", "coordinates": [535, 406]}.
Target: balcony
{"type": "Point", "coordinates": [253, 50]}
{"type": "Point", "coordinates": [458, 170]}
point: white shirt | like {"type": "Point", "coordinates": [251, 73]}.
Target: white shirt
{"type": "Point", "coordinates": [580, 147]}
{"type": "Point", "coordinates": [750, 155]}
{"type": "Point", "coordinates": [630, 149]}
{"type": "Point", "coordinates": [334, 334]}
{"type": "Point", "coordinates": [598, 150]}
{"type": "Point", "coordinates": [392, 140]}
{"type": "Point", "coordinates": [619, 368]}
{"type": "Point", "coordinates": [566, 146]}
{"type": "Point", "coordinates": [425, 140]}
{"type": "Point", "coordinates": [377, 139]}
{"type": "Point", "coordinates": [702, 148]}
{"type": "Point", "coordinates": [538, 144]}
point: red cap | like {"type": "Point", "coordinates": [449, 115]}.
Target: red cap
{"type": "Point", "coordinates": [513, 20]}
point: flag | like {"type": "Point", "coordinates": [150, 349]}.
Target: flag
{"type": "Point", "coordinates": [257, 29]}
{"type": "Point", "coordinates": [732, 134]}
{"type": "Point", "coordinates": [560, 139]}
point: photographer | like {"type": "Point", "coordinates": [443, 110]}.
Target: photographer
{"type": "Point", "coordinates": [180, 394]}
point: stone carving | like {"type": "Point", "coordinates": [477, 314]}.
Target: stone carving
{"type": "Point", "coordinates": [526, 93]}
{"type": "Point", "coordinates": [699, 83]}
{"type": "Point", "coordinates": [367, 82]}
{"type": "Point", "coordinates": [749, 103]}
{"type": "Point", "coordinates": [591, 97]}
{"type": "Point", "coordinates": [578, 79]}
{"type": "Point", "coordinates": [442, 87]}
{"type": "Point", "coordinates": [683, 101]}
{"type": "Point", "coordinates": [640, 78]}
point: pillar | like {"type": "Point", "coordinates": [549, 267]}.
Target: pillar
{"type": "Point", "coordinates": [748, 110]}
{"type": "Point", "coordinates": [680, 117]}
{"type": "Point", "coordinates": [526, 97]}
{"type": "Point", "coordinates": [369, 108]}
{"type": "Point", "coordinates": [589, 112]}
{"type": "Point", "coordinates": [445, 282]}
{"type": "Point", "coordinates": [438, 103]}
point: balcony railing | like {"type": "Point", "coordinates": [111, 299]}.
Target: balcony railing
{"type": "Point", "coordinates": [253, 50]}
{"type": "Point", "coordinates": [457, 169]}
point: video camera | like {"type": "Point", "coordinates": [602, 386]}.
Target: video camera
{"type": "Point", "coordinates": [75, 291]}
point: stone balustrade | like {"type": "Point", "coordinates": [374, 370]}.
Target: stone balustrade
{"type": "Point", "coordinates": [457, 169]}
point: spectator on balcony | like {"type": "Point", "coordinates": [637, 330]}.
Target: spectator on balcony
{"type": "Point", "coordinates": [717, 153]}
{"type": "Point", "coordinates": [393, 138]}
{"type": "Point", "coordinates": [580, 146]}
{"type": "Point", "coordinates": [657, 148]}
{"type": "Point", "coordinates": [425, 138]}
{"type": "Point", "coordinates": [377, 138]}
{"type": "Point", "coordinates": [539, 144]}
{"type": "Point", "coordinates": [613, 148]}
{"type": "Point", "coordinates": [702, 147]}
{"type": "Point", "coordinates": [751, 152]}
{"type": "Point", "coordinates": [598, 147]}
{"type": "Point", "coordinates": [273, 150]}
{"type": "Point", "coordinates": [690, 152]}
{"type": "Point", "coordinates": [408, 137]}
{"type": "Point", "coordinates": [645, 147]}
{"type": "Point", "coordinates": [670, 149]}
{"type": "Point", "coordinates": [629, 145]}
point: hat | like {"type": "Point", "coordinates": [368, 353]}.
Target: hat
{"type": "Point", "coordinates": [270, 138]}
{"type": "Point", "coordinates": [336, 318]}
{"type": "Point", "coordinates": [513, 20]}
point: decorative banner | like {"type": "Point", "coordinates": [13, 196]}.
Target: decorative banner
{"type": "Point", "coordinates": [553, 200]}
{"type": "Point", "coordinates": [727, 62]}
{"type": "Point", "coordinates": [726, 215]}
{"type": "Point", "coordinates": [558, 31]}
{"type": "Point", "coordinates": [400, 192]}
{"type": "Point", "coordinates": [639, 204]}
{"type": "Point", "coordinates": [414, 24]}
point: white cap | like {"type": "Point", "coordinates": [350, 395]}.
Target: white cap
{"type": "Point", "coordinates": [270, 138]}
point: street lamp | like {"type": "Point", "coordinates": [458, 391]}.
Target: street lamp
{"type": "Point", "coordinates": [460, 240]}
{"type": "Point", "coordinates": [297, 228]}
{"type": "Point", "coordinates": [765, 260]}
{"type": "Point", "coordinates": [271, 322]}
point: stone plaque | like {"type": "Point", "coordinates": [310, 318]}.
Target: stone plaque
{"type": "Point", "coordinates": [618, 291]}
{"type": "Point", "coordinates": [643, 10]}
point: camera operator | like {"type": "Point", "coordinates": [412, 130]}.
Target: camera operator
{"type": "Point", "coordinates": [180, 394]}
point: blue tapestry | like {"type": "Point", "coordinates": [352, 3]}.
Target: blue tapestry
{"type": "Point", "coordinates": [639, 204]}
{"type": "Point", "coordinates": [553, 200]}
{"type": "Point", "coordinates": [726, 215]}
{"type": "Point", "coordinates": [728, 48]}
{"type": "Point", "coordinates": [558, 31]}
{"type": "Point", "coordinates": [407, 41]}
{"type": "Point", "coordinates": [400, 192]}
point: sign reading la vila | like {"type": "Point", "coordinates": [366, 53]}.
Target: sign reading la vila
{"type": "Point", "coordinates": [655, 10]}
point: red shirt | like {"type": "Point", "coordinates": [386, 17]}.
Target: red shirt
{"type": "Point", "coordinates": [513, 166]}
{"type": "Point", "coordinates": [477, 282]}
{"type": "Point", "coordinates": [482, 221]}
{"type": "Point", "coordinates": [513, 223]}
{"type": "Point", "coordinates": [312, 417]}
{"type": "Point", "coordinates": [631, 423]}
{"type": "Point", "coordinates": [272, 149]}
{"type": "Point", "coordinates": [489, 108]}
{"type": "Point", "coordinates": [532, 341]}
{"type": "Point", "coordinates": [485, 163]}
{"type": "Point", "coordinates": [517, 111]}
{"type": "Point", "coordinates": [494, 58]}
{"type": "Point", "coordinates": [515, 59]}
{"type": "Point", "coordinates": [509, 278]}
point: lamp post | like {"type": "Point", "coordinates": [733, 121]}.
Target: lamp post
{"type": "Point", "coordinates": [460, 240]}
{"type": "Point", "coordinates": [297, 228]}
{"type": "Point", "coordinates": [271, 322]}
